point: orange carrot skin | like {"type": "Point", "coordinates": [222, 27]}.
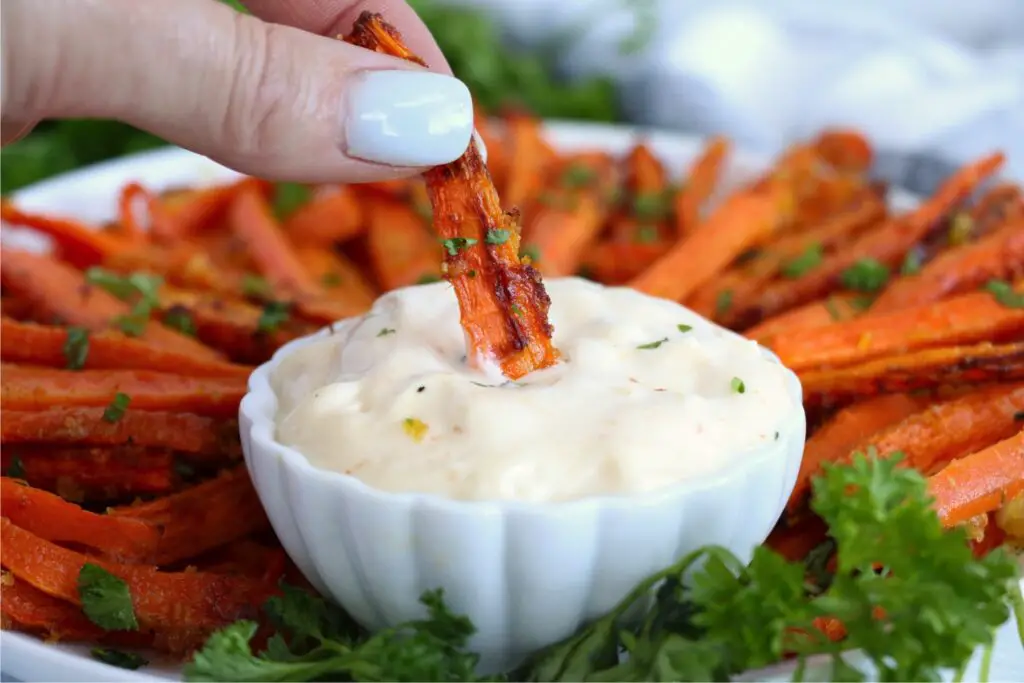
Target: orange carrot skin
{"type": "Point", "coordinates": [80, 245]}
{"type": "Point", "coordinates": [701, 181]}
{"type": "Point", "coordinates": [107, 350]}
{"type": "Point", "coordinates": [53, 518]}
{"type": "Point", "coordinates": [402, 251]}
{"type": "Point", "coordinates": [93, 473]}
{"type": "Point", "coordinates": [981, 482]}
{"type": "Point", "coordinates": [27, 388]}
{"type": "Point", "coordinates": [832, 309]}
{"type": "Point", "coordinates": [181, 216]}
{"type": "Point", "coordinates": [333, 218]}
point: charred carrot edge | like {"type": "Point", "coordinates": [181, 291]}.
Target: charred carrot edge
{"type": "Point", "coordinates": [162, 600]}
{"type": "Point", "coordinates": [182, 432]}
{"type": "Point", "coordinates": [981, 482]}
{"type": "Point", "coordinates": [847, 429]}
{"type": "Point", "coordinates": [30, 388]}
{"type": "Point", "coordinates": [52, 346]}
{"type": "Point", "coordinates": [202, 517]}
{"type": "Point", "coordinates": [79, 244]}
{"type": "Point", "coordinates": [331, 218]}
{"type": "Point", "coordinates": [928, 369]}
{"type": "Point", "coordinates": [53, 518]}
{"type": "Point", "coordinates": [503, 304]}
{"type": "Point", "coordinates": [966, 319]}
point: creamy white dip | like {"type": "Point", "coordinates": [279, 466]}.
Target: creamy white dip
{"type": "Point", "coordinates": [647, 394]}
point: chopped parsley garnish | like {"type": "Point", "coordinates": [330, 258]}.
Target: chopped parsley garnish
{"type": "Point", "coordinates": [866, 275]}
{"type": "Point", "coordinates": [738, 386]}
{"type": "Point", "coordinates": [804, 263]}
{"type": "Point", "coordinates": [496, 236]}
{"type": "Point", "coordinates": [912, 262]}
{"type": "Point", "coordinates": [453, 245]}
{"type": "Point", "coordinates": [684, 328]}
{"type": "Point", "coordinates": [274, 314]}
{"type": "Point", "coordinates": [653, 344]}
{"type": "Point", "coordinates": [16, 468]}
{"type": "Point", "coordinates": [427, 279]}
{"type": "Point", "coordinates": [1003, 292]}
{"type": "Point", "coordinates": [385, 331]}
{"type": "Point", "coordinates": [532, 252]}
{"type": "Point", "coordinates": [288, 197]}
{"type": "Point", "coordinates": [141, 288]}
{"type": "Point", "coordinates": [255, 287]}
{"type": "Point", "coordinates": [180, 318]}
{"type": "Point", "coordinates": [106, 599]}
{"type": "Point", "coordinates": [832, 306]}
{"type": "Point", "coordinates": [723, 302]}
{"type": "Point", "coordinates": [115, 409]}
{"type": "Point", "coordinates": [646, 234]}
{"type": "Point", "coordinates": [578, 175]}
{"type": "Point", "coordinates": [330, 280]}
{"type": "Point", "coordinates": [651, 206]}
{"type": "Point", "coordinates": [76, 348]}
{"type": "Point", "coordinates": [119, 658]}
{"type": "Point", "coordinates": [516, 311]}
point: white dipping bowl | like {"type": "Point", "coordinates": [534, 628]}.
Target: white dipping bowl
{"type": "Point", "coordinates": [526, 574]}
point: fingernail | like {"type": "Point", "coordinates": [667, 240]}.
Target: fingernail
{"type": "Point", "coordinates": [480, 146]}
{"type": "Point", "coordinates": [407, 118]}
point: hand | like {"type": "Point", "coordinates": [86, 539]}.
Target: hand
{"type": "Point", "coordinates": [272, 94]}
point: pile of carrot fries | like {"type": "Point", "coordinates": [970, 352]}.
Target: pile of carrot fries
{"type": "Point", "coordinates": [126, 348]}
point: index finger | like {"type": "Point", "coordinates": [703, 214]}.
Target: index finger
{"type": "Point", "coordinates": [334, 17]}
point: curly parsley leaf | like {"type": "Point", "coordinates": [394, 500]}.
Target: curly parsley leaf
{"type": "Point", "coordinates": [106, 599]}
{"type": "Point", "coordinates": [76, 347]}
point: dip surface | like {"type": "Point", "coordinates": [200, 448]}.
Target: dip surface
{"type": "Point", "coordinates": [647, 394]}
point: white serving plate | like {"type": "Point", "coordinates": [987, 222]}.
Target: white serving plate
{"type": "Point", "coordinates": [91, 194]}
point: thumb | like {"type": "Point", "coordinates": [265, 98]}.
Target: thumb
{"type": "Point", "coordinates": [262, 98]}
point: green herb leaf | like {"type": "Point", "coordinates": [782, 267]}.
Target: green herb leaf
{"type": "Point", "coordinates": [531, 251]}
{"type": "Point", "coordinates": [496, 236]}
{"type": "Point", "coordinates": [684, 328]}
{"type": "Point", "coordinates": [1004, 293]}
{"type": "Point", "coordinates": [427, 279]}
{"type": "Point", "coordinates": [385, 331]}
{"type": "Point", "coordinates": [646, 234]}
{"type": "Point", "coordinates": [274, 314]}
{"type": "Point", "coordinates": [330, 280]}
{"type": "Point", "coordinates": [453, 245]}
{"type": "Point", "coordinates": [737, 385]}
{"type": "Point", "coordinates": [76, 347]}
{"type": "Point", "coordinates": [145, 286]}
{"type": "Point", "coordinates": [866, 275]}
{"type": "Point", "coordinates": [180, 318]}
{"type": "Point", "coordinates": [15, 469]}
{"type": "Point", "coordinates": [723, 302]}
{"type": "Point", "coordinates": [288, 197]}
{"type": "Point", "coordinates": [115, 410]}
{"type": "Point", "coordinates": [653, 344]}
{"type": "Point", "coordinates": [912, 262]}
{"type": "Point", "coordinates": [106, 599]}
{"type": "Point", "coordinates": [118, 658]}
{"type": "Point", "coordinates": [804, 263]}
{"type": "Point", "coordinates": [577, 175]}
{"type": "Point", "coordinates": [652, 206]}
{"type": "Point", "coordinates": [255, 287]}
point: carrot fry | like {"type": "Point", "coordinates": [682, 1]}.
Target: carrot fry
{"type": "Point", "coordinates": [183, 432]}
{"type": "Point", "coordinates": [177, 600]}
{"type": "Point", "coordinates": [189, 213]}
{"type": "Point", "coordinates": [402, 251]}
{"type": "Point", "coordinates": [331, 218]}
{"type": "Point", "coordinates": [847, 429]}
{"type": "Point", "coordinates": [529, 157]}
{"type": "Point", "coordinates": [701, 181]}
{"type": "Point", "coordinates": [981, 482]}
{"type": "Point", "coordinates": [253, 222]}
{"type": "Point", "coordinates": [503, 304]}
{"type": "Point", "coordinates": [795, 542]}
{"type": "Point", "coordinates": [200, 518]}
{"type": "Point", "coordinates": [80, 474]}
{"type": "Point", "coordinates": [740, 222]}
{"type": "Point", "coordinates": [79, 244]}
{"type": "Point", "coordinates": [561, 231]}
{"type": "Point", "coordinates": [59, 291]}
{"type": "Point", "coordinates": [996, 257]}
{"type": "Point", "coordinates": [966, 319]}
{"type": "Point", "coordinates": [29, 388]}
{"type": "Point", "coordinates": [928, 369]}
{"type": "Point", "coordinates": [341, 279]}
{"type": "Point", "coordinates": [132, 195]}
{"type": "Point", "coordinates": [845, 150]}
{"type": "Point", "coordinates": [54, 519]}
{"type": "Point", "coordinates": [832, 309]}
{"type": "Point", "coordinates": [615, 263]}
{"type": "Point", "coordinates": [105, 350]}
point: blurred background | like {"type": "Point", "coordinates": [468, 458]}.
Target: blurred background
{"type": "Point", "coordinates": [932, 82]}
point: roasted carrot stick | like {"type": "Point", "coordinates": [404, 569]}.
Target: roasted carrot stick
{"type": "Point", "coordinates": [846, 150]}
{"type": "Point", "coordinates": [162, 600]}
{"type": "Point", "coordinates": [701, 181]}
{"type": "Point", "coordinates": [965, 319]}
{"type": "Point", "coordinates": [30, 388]}
{"type": "Point", "coordinates": [996, 257]}
{"type": "Point", "coordinates": [185, 214]}
{"type": "Point", "coordinates": [66, 347]}
{"type": "Point", "coordinates": [182, 432]}
{"type": "Point", "coordinates": [132, 195]}
{"type": "Point", "coordinates": [739, 223]}
{"type": "Point", "coordinates": [528, 160]}
{"type": "Point", "coordinates": [401, 249]}
{"type": "Point", "coordinates": [502, 301]}
{"type": "Point", "coordinates": [795, 542]}
{"type": "Point", "coordinates": [79, 244]}
{"type": "Point", "coordinates": [252, 220]}
{"type": "Point", "coordinates": [850, 427]}
{"type": "Point", "coordinates": [49, 516]}
{"type": "Point", "coordinates": [827, 311]}
{"type": "Point", "coordinates": [929, 369]}
{"type": "Point", "coordinates": [59, 291]}
{"type": "Point", "coordinates": [200, 518]}
{"type": "Point", "coordinates": [562, 230]}
{"type": "Point", "coordinates": [89, 473]}
{"type": "Point", "coordinates": [332, 217]}
{"type": "Point", "coordinates": [615, 263]}
{"type": "Point", "coordinates": [341, 279]}
{"type": "Point", "coordinates": [981, 482]}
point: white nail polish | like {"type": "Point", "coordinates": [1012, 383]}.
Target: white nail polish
{"type": "Point", "coordinates": [480, 146]}
{"type": "Point", "coordinates": [407, 118]}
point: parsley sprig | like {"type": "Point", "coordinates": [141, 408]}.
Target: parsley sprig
{"type": "Point", "coordinates": [909, 593]}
